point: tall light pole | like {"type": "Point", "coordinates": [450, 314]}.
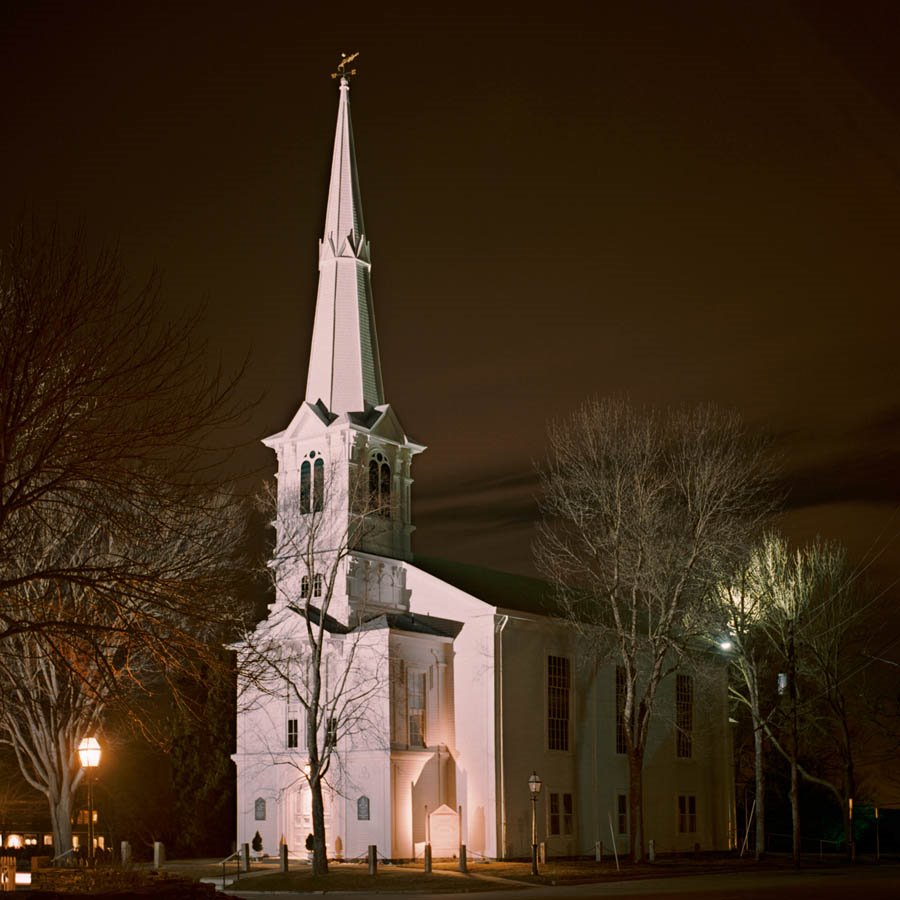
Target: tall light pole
{"type": "Point", "coordinates": [89, 753]}
{"type": "Point", "coordinates": [534, 785]}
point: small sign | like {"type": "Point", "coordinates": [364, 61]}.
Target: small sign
{"type": "Point", "coordinates": [362, 809]}
{"type": "Point", "coordinates": [444, 830]}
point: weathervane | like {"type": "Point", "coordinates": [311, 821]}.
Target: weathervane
{"type": "Point", "coordinates": [342, 65]}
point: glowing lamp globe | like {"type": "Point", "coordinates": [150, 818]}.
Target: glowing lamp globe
{"type": "Point", "coordinates": [89, 752]}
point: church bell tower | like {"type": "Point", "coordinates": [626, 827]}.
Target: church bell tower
{"type": "Point", "coordinates": [345, 457]}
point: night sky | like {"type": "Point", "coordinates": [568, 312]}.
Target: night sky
{"type": "Point", "coordinates": [678, 202]}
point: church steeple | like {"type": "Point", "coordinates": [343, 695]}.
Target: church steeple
{"type": "Point", "coordinates": [344, 366]}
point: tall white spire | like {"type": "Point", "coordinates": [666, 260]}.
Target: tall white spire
{"type": "Point", "coordinates": [344, 367]}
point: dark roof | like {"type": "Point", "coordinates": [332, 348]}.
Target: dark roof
{"type": "Point", "coordinates": [367, 418]}
{"type": "Point", "coordinates": [503, 589]}
{"type": "Point", "coordinates": [420, 624]}
{"type": "Point", "coordinates": [332, 625]}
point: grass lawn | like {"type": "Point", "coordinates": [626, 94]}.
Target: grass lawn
{"type": "Point", "coordinates": [491, 876]}
{"type": "Point", "coordinates": [354, 877]}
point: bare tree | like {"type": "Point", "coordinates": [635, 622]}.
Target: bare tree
{"type": "Point", "coordinates": [808, 629]}
{"type": "Point", "coordinates": [748, 599]}
{"type": "Point", "coordinates": [790, 614]}
{"type": "Point", "coordinates": [313, 651]}
{"type": "Point", "coordinates": [106, 415]}
{"type": "Point", "coordinates": [57, 686]}
{"type": "Point", "coordinates": [46, 712]}
{"type": "Point", "coordinates": [119, 537]}
{"type": "Point", "coordinates": [643, 512]}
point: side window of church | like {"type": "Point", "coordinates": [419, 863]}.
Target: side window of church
{"type": "Point", "coordinates": [558, 688]}
{"type": "Point", "coordinates": [259, 810]}
{"type": "Point", "coordinates": [416, 700]}
{"type": "Point", "coordinates": [687, 814]}
{"type": "Point", "coordinates": [620, 710]}
{"type": "Point", "coordinates": [561, 813]}
{"type": "Point", "coordinates": [684, 716]}
{"type": "Point", "coordinates": [293, 733]}
{"type": "Point", "coordinates": [317, 586]}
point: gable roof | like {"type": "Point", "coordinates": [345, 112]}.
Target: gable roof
{"type": "Point", "coordinates": [502, 589]}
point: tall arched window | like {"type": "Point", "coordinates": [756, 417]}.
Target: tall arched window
{"type": "Point", "coordinates": [385, 489]}
{"type": "Point", "coordinates": [373, 483]}
{"type": "Point", "coordinates": [304, 486]}
{"type": "Point", "coordinates": [318, 485]}
{"type": "Point", "coordinates": [304, 587]}
{"type": "Point", "coordinates": [380, 485]}
{"type": "Point", "coordinates": [317, 585]}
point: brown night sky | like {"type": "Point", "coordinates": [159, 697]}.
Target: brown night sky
{"type": "Point", "coordinates": [677, 201]}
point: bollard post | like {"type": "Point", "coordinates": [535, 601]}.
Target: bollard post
{"type": "Point", "coordinates": [463, 867]}
{"type": "Point", "coordinates": [244, 859]}
{"type": "Point", "coordinates": [428, 859]}
{"type": "Point", "coordinates": [651, 850]}
{"type": "Point", "coordinates": [159, 855]}
{"type": "Point", "coordinates": [373, 859]}
{"type": "Point", "coordinates": [282, 858]}
{"type": "Point", "coordinates": [125, 851]}
{"type": "Point", "coordinates": [598, 851]}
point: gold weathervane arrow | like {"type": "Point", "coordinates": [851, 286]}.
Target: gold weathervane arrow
{"type": "Point", "coordinates": [342, 69]}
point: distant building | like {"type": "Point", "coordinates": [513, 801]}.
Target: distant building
{"type": "Point", "coordinates": [481, 685]}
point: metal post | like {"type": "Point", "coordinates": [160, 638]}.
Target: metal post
{"type": "Point", "coordinates": [373, 859]}
{"type": "Point", "coordinates": [850, 823]}
{"type": "Point", "coordinates": [534, 858]}
{"type": "Point", "coordinates": [90, 787]}
{"type": "Point", "coordinates": [428, 859]}
{"type": "Point", "coordinates": [877, 838]}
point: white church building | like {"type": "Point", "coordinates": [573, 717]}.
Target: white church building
{"type": "Point", "coordinates": [475, 684]}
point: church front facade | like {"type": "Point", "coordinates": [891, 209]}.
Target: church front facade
{"type": "Point", "coordinates": [450, 685]}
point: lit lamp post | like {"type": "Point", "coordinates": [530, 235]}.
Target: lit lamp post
{"type": "Point", "coordinates": [534, 785]}
{"type": "Point", "coordinates": [89, 752]}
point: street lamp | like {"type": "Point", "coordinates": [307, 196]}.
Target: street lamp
{"type": "Point", "coordinates": [89, 752]}
{"type": "Point", "coordinates": [534, 785]}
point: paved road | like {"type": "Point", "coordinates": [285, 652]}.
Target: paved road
{"type": "Point", "coordinates": [875, 883]}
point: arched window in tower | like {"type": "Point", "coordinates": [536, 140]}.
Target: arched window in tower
{"type": "Point", "coordinates": [385, 490]}
{"type": "Point", "coordinates": [373, 484]}
{"type": "Point", "coordinates": [304, 587]}
{"type": "Point", "coordinates": [317, 585]}
{"type": "Point", "coordinates": [318, 485]}
{"type": "Point", "coordinates": [304, 486]}
{"type": "Point", "coordinates": [380, 485]}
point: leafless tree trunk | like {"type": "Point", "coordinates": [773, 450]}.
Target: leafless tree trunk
{"type": "Point", "coordinates": [643, 513]}
{"type": "Point", "coordinates": [45, 713]}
